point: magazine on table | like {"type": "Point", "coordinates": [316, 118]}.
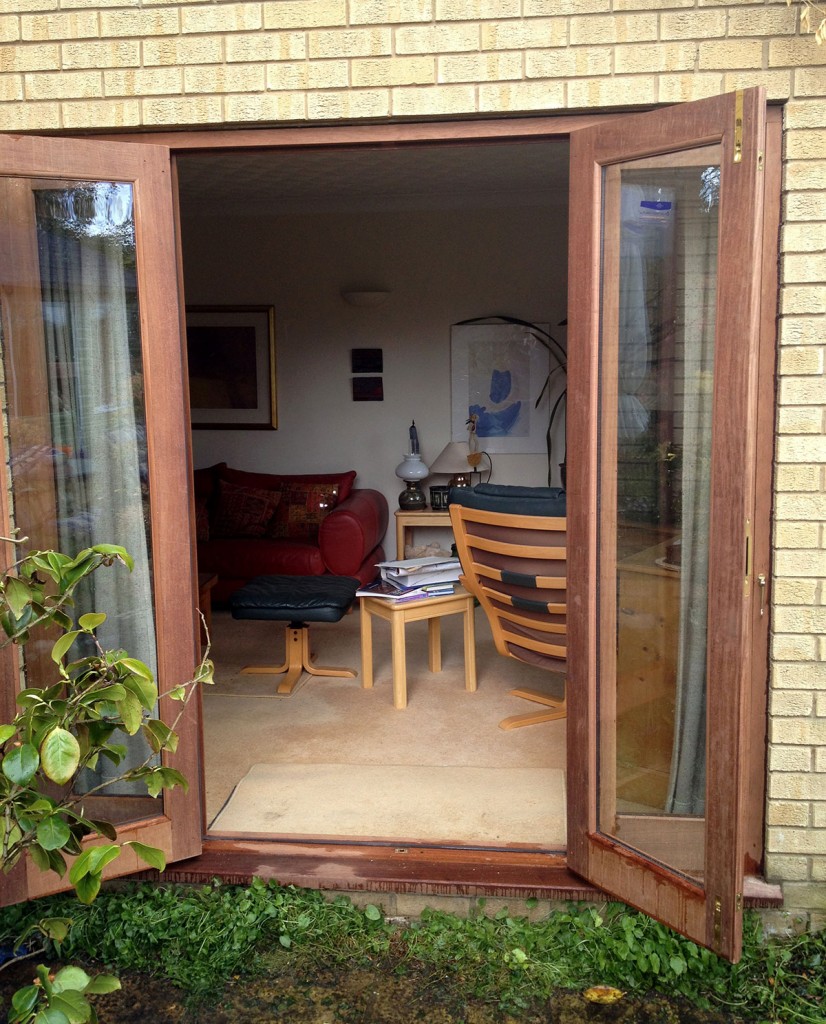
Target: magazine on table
{"type": "Point", "coordinates": [393, 592]}
{"type": "Point", "coordinates": [421, 571]}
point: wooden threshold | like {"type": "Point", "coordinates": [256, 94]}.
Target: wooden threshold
{"type": "Point", "coordinates": [421, 870]}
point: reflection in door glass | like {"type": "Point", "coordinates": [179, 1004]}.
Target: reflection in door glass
{"type": "Point", "coordinates": [657, 383]}
{"type": "Point", "coordinates": [74, 392]}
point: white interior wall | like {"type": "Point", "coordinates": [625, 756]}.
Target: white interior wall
{"type": "Point", "coordinates": [440, 266]}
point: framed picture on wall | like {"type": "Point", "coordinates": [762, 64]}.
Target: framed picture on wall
{"type": "Point", "coordinates": [498, 373]}
{"type": "Point", "coordinates": [231, 353]}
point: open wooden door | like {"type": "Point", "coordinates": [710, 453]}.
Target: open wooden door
{"type": "Point", "coordinates": [96, 429]}
{"type": "Point", "coordinates": [664, 313]}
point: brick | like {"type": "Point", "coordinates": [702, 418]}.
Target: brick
{"type": "Point", "coordinates": [143, 82]}
{"type": "Point", "coordinates": [216, 79]}
{"type": "Point", "coordinates": [796, 535]}
{"type": "Point", "coordinates": [806, 732]}
{"type": "Point", "coordinates": [819, 815]}
{"type": "Point", "coordinates": [476, 10]}
{"type": "Point", "coordinates": [558, 8]}
{"type": "Point", "coordinates": [794, 594]}
{"type": "Point", "coordinates": [27, 6]}
{"type": "Point", "coordinates": [785, 813]}
{"type": "Point", "coordinates": [34, 57]}
{"type": "Point", "coordinates": [142, 24]}
{"type": "Point", "coordinates": [800, 563]}
{"type": "Point", "coordinates": [787, 867]}
{"type": "Point", "coordinates": [796, 52]}
{"type": "Point", "coordinates": [265, 46]}
{"type": "Point", "coordinates": [803, 175]}
{"type": "Point", "coordinates": [29, 117]}
{"type": "Point", "coordinates": [797, 676]}
{"type": "Point", "coordinates": [730, 54]}
{"type": "Point", "coordinates": [802, 331]}
{"type": "Point", "coordinates": [802, 391]}
{"type": "Point", "coordinates": [122, 53]}
{"type": "Point", "coordinates": [658, 57]}
{"type": "Point", "coordinates": [809, 82]}
{"type": "Point", "coordinates": [103, 114]}
{"type": "Point", "coordinates": [789, 702]}
{"type": "Point", "coordinates": [305, 14]}
{"type": "Point", "coordinates": [767, 21]}
{"type": "Point", "coordinates": [480, 67]}
{"type": "Point", "coordinates": [523, 35]}
{"type": "Point", "coordinates": [778, 84]}
{"type": "Point", "coordinates": [790, 759]}
{"type": "Point", "coordinates": [326, 74]}
{"type": "Point", "coordinates": [437, 39]}
{"type": "Point", "coordinates": [218, 20]}
{"type": "Point", "coordinates": [820, 760]}
{"type": "Point", "coordinates": [700, 25]}
{"type": "Point", "coordinates": [804, 114]}
{"type": "Point", "coordinates": [365, 42]}
{"type": "Point", "coordinates": [393, 71]}
{"type": "Point", "coordinates": [45, 27]}
{"type": "Point", "coordinates": [266, 109]}
{"type": "Point", "coordinates": [797, 361]}
{"type": "Point", "coordinates": [804, 206]}
{"type": "Point", "coordinates": [810, 267]}
{"type": "Point", "coordinates": [805, 420]}
{"type": "Point", "coordinates": [179, 51]}
{"type": "Point", "coordinates": [564, 62]}
{"type": "Point", "coordinates": [352, 103]}
{"type": "Point", "coordinates": [185, 110]}
{"type": "Point", "coordinates": [389, 12]}
{"type": "Point", "coordinates": [795, 786]}
{"type": "Point", "coordinates": [806, 144]}
{"type": "Point", "coordinates": [67, 86]}
{"type": "Point", "coordinates": [434, 99]}
{"type": "Point", "coordinates": [683, 88]}
{"type": "Point", "coordinates": [808, 895]}
{"type": "Point", "coordinates": [11, 88]}
{"type": "Point", "coordinates": [620, 28]}
{"type": "Point", "coordinates": [797, 840]}
{"type": "Point", "coordinates": [631, 90]}
{"type": "Point", "coordinates": [522, 96]}
{"type": "Point", "coordinates": [9, 29]}
{"type": "Point", "coordinates": [794, 648]}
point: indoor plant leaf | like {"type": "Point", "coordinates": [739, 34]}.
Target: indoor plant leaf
{"type": "Point", "coordinates": [60, 755]}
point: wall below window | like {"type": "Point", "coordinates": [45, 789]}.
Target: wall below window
{"type": "Point", "coordinates": [440, 266]}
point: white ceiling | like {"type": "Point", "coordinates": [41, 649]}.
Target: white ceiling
{"type": "Point", "coordinates": [376, 178]}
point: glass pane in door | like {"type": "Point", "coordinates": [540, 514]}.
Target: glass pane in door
{"type": "Point", "coordinates": [76, 428]}
{"type": "Point", "coordinates": [657, 374]}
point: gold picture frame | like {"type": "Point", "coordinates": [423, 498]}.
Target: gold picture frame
{"type": "Point", "coordinates": [231, 355]}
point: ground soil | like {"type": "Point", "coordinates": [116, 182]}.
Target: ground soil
{"type": "Point", "coordinates": [358, 996]}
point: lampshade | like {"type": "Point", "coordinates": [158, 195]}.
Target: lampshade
{"type": "Point", "coordinates": [455, 457]}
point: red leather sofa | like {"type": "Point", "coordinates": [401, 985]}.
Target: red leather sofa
{"type": "Point", "coordinates": [256, 524]}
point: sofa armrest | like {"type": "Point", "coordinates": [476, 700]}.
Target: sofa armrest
{"type": "Point", "coordinates": [352, 530]}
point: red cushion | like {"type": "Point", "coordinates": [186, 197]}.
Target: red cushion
{"type": "Point", "coordinates": [243, 511]}
{"type": "Point", "coordinates": [301, 510]}
{"type": "Point", "coordinates": [206, 479]}
{"type": "Point", "coordinates": [275, 481]}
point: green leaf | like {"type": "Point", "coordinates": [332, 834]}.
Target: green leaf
{"type": "Point", "coordinates": [73, 978]}
{"type": "Point", "coordinates": [57, 928]}
{"type": "Point", "coordinates": [114, 550]}
{"type": "Point", "coordinates": [372, 912]}
{"type": "Point", "coordinates": [6, 733]}
{"type": "Point", "coordinates": [20, 764]}
{"type": "Point", "coordinates": [160, 736]}
{"type": "Point", "coordinates": [137, 668]}
{"type": "Point", "coordinates": [60, 754]}
{"type": "Point", "coordinates": [144, 689]}
{"type": "Point", "coordinates": [40, 857]}
{"type": "Point", "coordinates": [131, 713]}
{"type": "Point", "coordinates": [17, 595]}
{"type": "Point", "coordinates": [152, 856]}
{"type": "Point", "coordinates": [53, 833]}
{"type": "Point", "coordinates": [63, 644]}
{"type": "Point", "coordinates": [177, 693]}
{"type": "Point", "coordinates": [87, 888]}
{"type": "Point", "coordinates": [25, 999]}
{"type": "Point", "coordinates": [115, 692]}
{"type": "Point", "coordinates": [51, 1015]}
{"type": "Point", "coordinates": [103, 983]}
{"type": "Point", "coordinates": [91, 620]}
{"type": "Point", "coordinates": [73, 1004]}
{"type": "Point", "coordinates": [92, 861]}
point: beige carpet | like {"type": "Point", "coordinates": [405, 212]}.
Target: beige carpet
{"type": "Point", "coordinates": [335, 721]}
{"type": "Point", "coordinates": [484, 806]}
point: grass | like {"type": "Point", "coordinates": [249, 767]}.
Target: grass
{"type": "Point", "coordinates": [200, 937]}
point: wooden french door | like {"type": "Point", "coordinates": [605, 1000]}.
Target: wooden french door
{"type": "Point", "coordinates": [664, 345]}
{"type": "Point", "coordinates": [96, 422]}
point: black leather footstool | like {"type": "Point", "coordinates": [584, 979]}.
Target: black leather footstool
{"type": "Point", "coordinates": [297, 600]}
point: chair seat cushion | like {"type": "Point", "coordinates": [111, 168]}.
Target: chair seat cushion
{"type": "Point", "coordinates": [512, 499]}
{"type": "Point", "coordinates": [294, 598]}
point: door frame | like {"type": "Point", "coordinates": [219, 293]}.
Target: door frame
{"type": "Point", "coordinates": [424, 869]}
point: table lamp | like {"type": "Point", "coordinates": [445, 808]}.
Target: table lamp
{"type": "Point", "coordinates": [457, 459]}
{"type": "Point", "coordinates": [412, 470]}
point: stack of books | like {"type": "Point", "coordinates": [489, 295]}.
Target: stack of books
{"type": "Point", "coordinates": [411, 579]}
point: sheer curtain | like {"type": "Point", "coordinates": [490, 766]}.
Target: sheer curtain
{"type": "Point", "coordinates": [87, 260]}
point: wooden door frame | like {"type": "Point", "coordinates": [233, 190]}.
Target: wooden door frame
{"type": "Point", "coordinates": [425, 869]}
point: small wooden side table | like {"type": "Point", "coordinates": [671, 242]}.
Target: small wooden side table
{"type": "Point", "coordinates": [406, 521]}
{"type": "Point", "coordinates": [398, 614]}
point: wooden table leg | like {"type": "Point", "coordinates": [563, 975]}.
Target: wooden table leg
{"type": "Point", "coordinates": [470, 647]}
{"type": "Point", "coordinates": [366, 647]}
{"type": "Point", "coordinates": [434, 645]}
{"type": "Point", "coordinates": [399, 656]}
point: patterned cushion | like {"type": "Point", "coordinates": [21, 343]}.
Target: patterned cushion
{"type": "Point", "coordinates": [243, 511]}
{"type": "Point", "coordinates": [302, 508]}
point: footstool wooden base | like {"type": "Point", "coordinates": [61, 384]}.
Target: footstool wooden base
{"type": "Point", "coordinates": [299, 600]}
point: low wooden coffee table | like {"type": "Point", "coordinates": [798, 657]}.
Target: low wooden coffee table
{"type": "Point", "coordinates": [398, 614]}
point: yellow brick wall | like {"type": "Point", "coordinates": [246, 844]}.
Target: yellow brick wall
{"type": "Point", "coordinates": [111, 64]}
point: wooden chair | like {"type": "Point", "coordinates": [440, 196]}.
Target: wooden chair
{"type": "Point", "coordinates": [516, 566]}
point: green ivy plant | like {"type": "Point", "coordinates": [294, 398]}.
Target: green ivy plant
{"type": "Point", "coordinates": [62, 729]}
